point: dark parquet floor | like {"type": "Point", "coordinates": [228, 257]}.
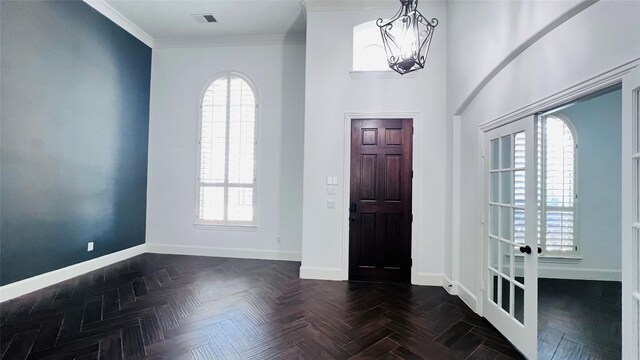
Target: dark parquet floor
{"type": "Point", "coordinates": [186, 307]}
{"type": "Point", "coordinates": [579, 319]}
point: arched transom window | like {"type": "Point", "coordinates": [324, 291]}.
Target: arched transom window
{"type": "Point", "coordinates": [227, 179]}
{"type": "Point", "coordinates": [368, 49]}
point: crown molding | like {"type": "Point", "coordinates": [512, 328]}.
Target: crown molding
{"type": "Point", "coordinates": [114, 15]}
{"type": "Point", "coordinates": [230, 40]}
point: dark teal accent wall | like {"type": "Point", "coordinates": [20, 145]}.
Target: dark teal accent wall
{"type": "Point", "coordinates": [74, 123]}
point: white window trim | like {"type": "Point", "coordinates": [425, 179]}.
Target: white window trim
{"type": "Point", "coordinates": [222, 224]}
{"type": "Point", "coordinates": [560, 257]}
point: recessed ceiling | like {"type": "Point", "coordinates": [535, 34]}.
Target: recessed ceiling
{"type": "Point", "coordinates": [172, 19]}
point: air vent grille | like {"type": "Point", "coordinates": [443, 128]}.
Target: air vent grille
{"type": "Point", "coordinates": [204, 18]}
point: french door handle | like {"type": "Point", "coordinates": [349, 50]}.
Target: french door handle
{"type": "Point", "coordinates": [525, 249]}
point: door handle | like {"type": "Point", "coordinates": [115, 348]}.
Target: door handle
{"type": "Point", "coordinates": [353, 207]}
{"type": "Point", "coordinates": [525, 249]}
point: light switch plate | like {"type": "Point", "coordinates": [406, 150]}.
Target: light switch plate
{"type": "Point", "coordinates": [331, 189]}
{"type": "Point", "coordinates": [90, 246]}
{"type": "Point", "coordinates": [331, 204]}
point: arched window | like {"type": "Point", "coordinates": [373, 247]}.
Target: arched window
{"type": "Point", "coordinates": [226, 179]}
{"type": "Point", "coordinates": [368, 49]}
{"type": "Point", "coordinates": [556, 184]}
{"type": "Point", "coordinates": [556, 175]}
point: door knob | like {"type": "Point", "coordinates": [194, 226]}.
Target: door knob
{"type": "Point", "coordinates": [539, 250]}
{"type": "Point", "coordinates": [353, 207]}
{"type": "Point", "coordinates": [525, 249]}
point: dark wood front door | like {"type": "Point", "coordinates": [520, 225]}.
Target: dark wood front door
{"type": "Point", "coordinates": [380, 201]}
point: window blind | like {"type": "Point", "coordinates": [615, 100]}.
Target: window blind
{"type": "Point", "coordinates": [227, 152]}
{"type": "Point", "coordinates": [555, 165]}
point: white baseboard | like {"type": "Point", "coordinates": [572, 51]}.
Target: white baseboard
{"type": "Point", "coordinates": [321, 273]}
{"type": "Point", "coordinates": [467, 296]}
{"type": "Point", "coordinates": [449, 285]}
{"type": "Point", "coordinates": [426, 279]}
{"type": "Point", "coordinates": [41, 281]}
{"type": "Point", "coordinates": [579, 274]}
{"type": "Point", "coordinates": [223, 252]}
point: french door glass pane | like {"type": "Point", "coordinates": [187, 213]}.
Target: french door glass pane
{"type": "Point", "coordinates": [493, 253]}
{"type": "Point", "coordinates": [505, 256]}
{"type": "Point", "coordinates": [518, 192]}
{"type": "Point", "coordinates": [636, 252]}
{"type": "Point", "coordinates": [518, 226]}
{"type": "Point", "coordinates": [505, 150]}
{"type": "Point", "coordinates": [495, 186]}
{"type": "Point", "coordinates": [495, 154]}
{"type": "Point", "coordinates": [636, 180]}
{"type": "Point", "coordinates": [506, 292]}
{"type": "Point", "coordinates": [518, 304]}
{"type": "Point", "coordinates": [505, 222]}
{"type": "Point", "coordinates": [494, 220]}
{"type": "Point", "coordinates": [506, 187]}
{"type": "Point", "coordinates": [493, 286]}
{"type": "Point", "coordinates": [637, 121]}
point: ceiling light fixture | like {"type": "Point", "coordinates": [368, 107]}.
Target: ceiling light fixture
{"type": "Point", "coordinates": [407, 37]}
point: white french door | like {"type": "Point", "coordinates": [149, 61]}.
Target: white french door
{"type": "Point", "coordinates": [631, 216]}
{"type": "Point", "coordinates": [510, 300]}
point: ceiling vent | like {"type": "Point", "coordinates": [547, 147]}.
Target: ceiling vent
{"type": "Point", "coordinates": [204, 18]}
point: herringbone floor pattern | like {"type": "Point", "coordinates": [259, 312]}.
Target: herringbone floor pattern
{"type": "Point", "coordinates": [187, 307]}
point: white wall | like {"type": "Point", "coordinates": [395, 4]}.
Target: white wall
{"type": "Point", "coordinates": [330, 94]}
{"type": "Point", "coordinates": [596, 40]}
{"type": "Point", "coordinates": [483, 36]}
{"type": "Point", "coordinates": [178, 78]}
{"type": "Point", "coordinates": [598, 125]}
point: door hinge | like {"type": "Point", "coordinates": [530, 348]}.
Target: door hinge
{"type": "Point", "coordinates": [410, 262]}
{"type": "Point", "coordinates": [412, 175]}
{"type": "Point", "coordinates": [413, 130]}
{"type": "Point", "coordinates": [411, 217]}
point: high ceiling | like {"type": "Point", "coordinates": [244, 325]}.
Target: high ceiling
{"type": "Point", "coordinates": [171, 19]}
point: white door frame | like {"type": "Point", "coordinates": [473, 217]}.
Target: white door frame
{"type": "Point", "coordinates": [630, 250]}
{"type": "Point", "coordinates": [598, 82]}
{"type": "Point", "coordinates": [416, 277]}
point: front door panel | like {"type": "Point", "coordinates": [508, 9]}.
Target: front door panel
{"type": "Point", "coordinates": [380, 200]}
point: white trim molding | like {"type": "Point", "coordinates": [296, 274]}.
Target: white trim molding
{"type": "Point", "coordinates": [224, 252]}
{"type": "Point", "coordinates": [41, 281]}
{"type": "Point", "coordinates": [449, 285]}
{"type": "Point", "coordinates": [596, 83]}
{"type": "Point", "coordinates": [426, 279]}
{"type": "Point", "coordinates": [114, 15]}
{"type": "Point", "coordinates": [545, 272]}
{"type": "Point", "coordinates": [321, 273]}
{"type": "Point", "coordinates": [467, 296]}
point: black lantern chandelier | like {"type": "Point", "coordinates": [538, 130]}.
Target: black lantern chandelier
{"type": "Point", "coordinates": [407, 37]}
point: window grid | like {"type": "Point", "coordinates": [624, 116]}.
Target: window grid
{"type": "Point", "coordinates": [226, 180]}
{"type": "Point", "coordinates": [556, 195]}
{"type": "Point", "coordinates": [507, 160]}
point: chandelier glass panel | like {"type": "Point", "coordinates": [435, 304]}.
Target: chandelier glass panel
{"type": "Point", "coordinates": [407, 37]}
